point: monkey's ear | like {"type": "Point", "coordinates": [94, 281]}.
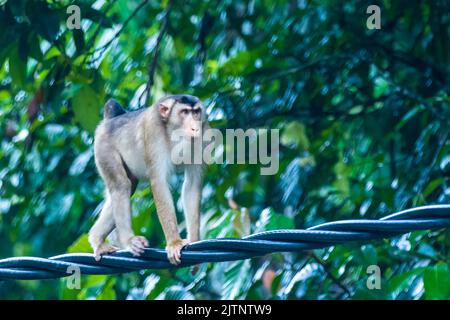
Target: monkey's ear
{"type": "Point", "coordinates": [164, 108]}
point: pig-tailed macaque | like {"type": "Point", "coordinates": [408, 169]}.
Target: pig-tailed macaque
{"type": "Point", "coordinates": [133, 146]}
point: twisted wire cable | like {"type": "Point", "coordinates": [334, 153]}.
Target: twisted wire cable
{"type": "Point", "coordinates": [230, 249]}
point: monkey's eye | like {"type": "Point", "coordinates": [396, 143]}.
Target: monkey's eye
{"type": "Point", "coordinates": [197, 111]}
{"type": "Point", "coordinates": [184, 112]}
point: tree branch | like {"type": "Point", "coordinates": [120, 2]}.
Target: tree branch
{"type": "Point", "coordinates": [117, 34]}
{"type": "Point", "coordinates": [91, 41]}
{"type": "Point", "coordinates": [328, 272]}
{"type": "Point", "coordinates": [154, 61]}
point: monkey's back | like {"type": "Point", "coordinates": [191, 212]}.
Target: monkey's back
{"type": "Point", "coordinates": [120, 135]}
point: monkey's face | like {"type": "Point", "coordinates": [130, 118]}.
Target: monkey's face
{"type": "Point", "coordinates": [190, 118]}
{"type": "Point", "coordinates": [183, 112]}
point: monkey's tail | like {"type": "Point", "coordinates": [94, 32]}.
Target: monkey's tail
{"type": "Point", "coordinates": [112, 109]}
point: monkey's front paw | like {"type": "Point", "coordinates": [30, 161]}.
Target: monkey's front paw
{"type": "Point", "coordinates": [137, 244]}
{"type": "Point", "coordinates": [102, 249]}
{"type": "Point", "coordinates": [174, 250]}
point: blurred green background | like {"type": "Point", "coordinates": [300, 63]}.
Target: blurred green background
{"type": "Point", "coordinates": [364, 119]}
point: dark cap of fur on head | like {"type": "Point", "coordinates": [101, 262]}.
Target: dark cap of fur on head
{"type": "Point", "coordinates": [185, 99]}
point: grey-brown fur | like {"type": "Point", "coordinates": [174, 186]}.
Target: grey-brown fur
{"type": "Point", "coordinates": [132, 146]}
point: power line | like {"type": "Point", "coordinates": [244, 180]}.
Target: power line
{"type": "Point", "coordinates": [230, 249]}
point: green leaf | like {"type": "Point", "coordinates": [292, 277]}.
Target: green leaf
{"type": "Point", "coordinates": [432, 186]}
{"type": "Point", "coordinates": [436, 280]}
{"type": "Point", "coordinates": [79, 164]}
{"type": "Point", "coordinates": [59, 206]}
{"type": "Point", "coordinates": [232, 223]}
{"type": "Point", "coordinates": [86, 106]}
{"type": "Point", "coordinates": [96, 16]}
{"type": "Point", "coordinates": [106, 291]}
{"type": "Point", "coordinates": [270, 220]}
{"type": "Point", "coordinates": [356, 110]}
{"type": "Point", "coordinates": [80, 245]}
{"type": "Point", "coordinates": [403, 281]}
{"type": "Point", "coordinates": [294, 134]}
{"type": "Point", "coordinates": [370, 254]}
{"type": "Point", "coordinates": [177, 293]}
{"type": "Point", "coordinates": [17, 68]}
{"type": "Point", "coordinates": [154, 286]}
{"type": "Point", "coordinates": [239, 64]}
{"type": "Point", "coordinates": [409, 115]}
{"type": "Point", "coordinates": [237, 279]}
{"type": "Point", "coordinates": [381, 86]}
{"type": "Point", "coordinates": [34, 47]}
{"type": "Point", "coordinates": [445, 163]}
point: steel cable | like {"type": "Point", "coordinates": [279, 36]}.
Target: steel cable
{"type": "Point", "coordinates": [226, 249]}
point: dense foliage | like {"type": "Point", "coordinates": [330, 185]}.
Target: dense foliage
{"type": "Point", "coordinates": [364, 119]}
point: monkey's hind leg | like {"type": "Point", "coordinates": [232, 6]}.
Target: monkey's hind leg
{"type": "Point", "coordinates": [136, 243]}
{"type": "Point", "coordinates": [120, 187]}
{"type": "Point", "coordinates": [100, 230]}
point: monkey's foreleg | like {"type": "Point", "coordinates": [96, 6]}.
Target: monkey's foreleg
{"type": "Point", "coordinates": [100, 230]}
{"type": "Point", "coordinates": [166, 214]}
{"type": "Point", "coordinates": [190, 197]}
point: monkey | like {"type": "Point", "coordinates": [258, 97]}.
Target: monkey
{"type": "Point", "coordinates": [134, 146]}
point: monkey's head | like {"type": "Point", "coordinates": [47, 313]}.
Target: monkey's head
{"type": "Point", "coordinates": [182, 112]}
